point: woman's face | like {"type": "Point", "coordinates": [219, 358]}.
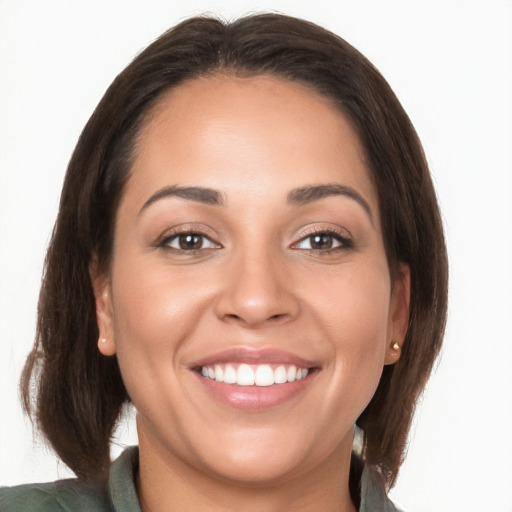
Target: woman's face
{"type": "Point", "coordinates": [249, 299]}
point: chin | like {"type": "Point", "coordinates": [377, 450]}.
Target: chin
{"type": "Point", "coordinates": [258, 469]}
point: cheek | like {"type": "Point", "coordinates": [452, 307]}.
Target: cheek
{"type": "Point", "coordinates": [149, 296]}
{"type": "Point", "coordinates": [354, 316]}
{"type": "Point", "coordinates": [354, 307]}
{"type": "Point", "coordinates": [154, 312]}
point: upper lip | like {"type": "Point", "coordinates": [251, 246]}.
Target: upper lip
{"type": "Point", "coordinates": [252, 356]}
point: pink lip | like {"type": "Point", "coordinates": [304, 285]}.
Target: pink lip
{"type": "Point", "coordinates": [251, 356]}
{"type": "Point", "coordinates": [254, 398]}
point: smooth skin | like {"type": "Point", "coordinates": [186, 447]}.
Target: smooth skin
{"type": "Point", "coordinates": [245, 266]}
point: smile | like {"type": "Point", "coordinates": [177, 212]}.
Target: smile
{"type": "Point", "coordinates": [254, 380]}
{"type": "Point", "coordinates": [262, 375]}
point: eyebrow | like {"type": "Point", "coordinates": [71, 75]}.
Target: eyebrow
{"type": "Point", "coordinates": [296, 197]}
{"type": "Point", "coordinates": [199, 194]}
{"type": "Point", "coordinates": [305, 195]}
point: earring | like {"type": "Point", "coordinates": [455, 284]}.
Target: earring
{"type": "Point", "coordinates": [103, 340]}
{"type": "Point", "coordinates": [395, 345]}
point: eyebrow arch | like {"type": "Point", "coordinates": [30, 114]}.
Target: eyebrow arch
{"type": "Point", "coordinates": [305, 195]}
{"type": "Point", "coordinates": [199, 194]}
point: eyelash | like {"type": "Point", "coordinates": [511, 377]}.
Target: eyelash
{"type": "Point", "coordinates": [344, 241]}
{"type": "Point", "coordinates": [341, 238]}
{"type": "Point", "coordinates": [165, 243]}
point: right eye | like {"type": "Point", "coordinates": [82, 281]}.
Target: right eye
{"type": "Point", "coordinates": [189, 242]}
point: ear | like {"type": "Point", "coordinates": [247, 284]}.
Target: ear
{"type": "Point", "coordinates": [104, 314]}
{"type": "Point", "coordinates": [398, 314]}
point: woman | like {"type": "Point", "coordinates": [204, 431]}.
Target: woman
{"type": "Point", "coordinates": [249, 249]}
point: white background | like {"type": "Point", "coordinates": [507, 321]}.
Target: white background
{"type": "Point", "coordinates": [450, 64]}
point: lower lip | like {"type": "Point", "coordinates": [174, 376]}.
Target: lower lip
{"type": "Point", "coordinates": [255, 397]}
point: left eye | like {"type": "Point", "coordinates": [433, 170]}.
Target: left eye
{"type": "Point", "coordinates": [190, 242]}
{"type": "Point", "coordinates": [321, 241]}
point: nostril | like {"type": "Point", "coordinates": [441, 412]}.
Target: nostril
{"type": "Point", "coordinates": [252, 305]}
{"type": "Point", "coordinates": [233, 317]}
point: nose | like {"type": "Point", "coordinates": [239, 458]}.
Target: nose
{"type": "Point", "coordinates": [257, 290]}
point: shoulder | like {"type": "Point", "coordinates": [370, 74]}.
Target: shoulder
{"type": "Point", "coordinates": [374, 497]}
{"type": "Point", "coordinates": [75, 495]}
{"type": "Point", "coordinates": [60, 496]}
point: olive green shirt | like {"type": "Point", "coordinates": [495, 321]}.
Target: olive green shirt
{"type": "Point", "coordinates": [121, 496]}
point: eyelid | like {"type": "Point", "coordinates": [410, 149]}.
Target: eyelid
{"type": "Point", "coordinates": [164, 239]}
{"type": "Point", "coordinates": [340, 234]}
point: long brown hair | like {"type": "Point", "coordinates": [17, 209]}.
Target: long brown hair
{"type": "Point", "coordinates": [79, 394]}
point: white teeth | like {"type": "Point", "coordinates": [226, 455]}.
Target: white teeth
{"type": "Point", "coordinates": [280, 376]}
{"type": "Point", "coordinates": [229, 375]}
{"type": "Point", "coordinates": [259, 375]}
{"type": "Point", "coordinates": [264, 376]}
{"type": "Point", "coordinates": [291, 373]}
{"type": "Point", "coordinates": [245, 375]}
{"type": "Point", "coordinates": [219, 373]}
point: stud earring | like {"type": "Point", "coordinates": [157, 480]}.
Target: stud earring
{"type": "Point", "coordinates": [103, 340]}
{"type": "Point", "coordinates": [395, 345]}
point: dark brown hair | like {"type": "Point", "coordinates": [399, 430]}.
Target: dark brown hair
{"type": "Point", "coordinates": [80, 393]}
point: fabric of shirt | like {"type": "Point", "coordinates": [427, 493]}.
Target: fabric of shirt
{"type": "Point", "coordinates": [121, 496]}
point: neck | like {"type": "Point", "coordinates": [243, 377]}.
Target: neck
{"type": "Point", "coordinates": [168, 483]}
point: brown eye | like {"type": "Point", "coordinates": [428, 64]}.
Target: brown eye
{"type": "Point", "coordinates": [189, 242]}
{"type": "Point", "coordinates": [323, 242]}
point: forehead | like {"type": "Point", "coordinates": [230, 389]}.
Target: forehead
{"type": "Point", "coordinates": [262, 133]}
